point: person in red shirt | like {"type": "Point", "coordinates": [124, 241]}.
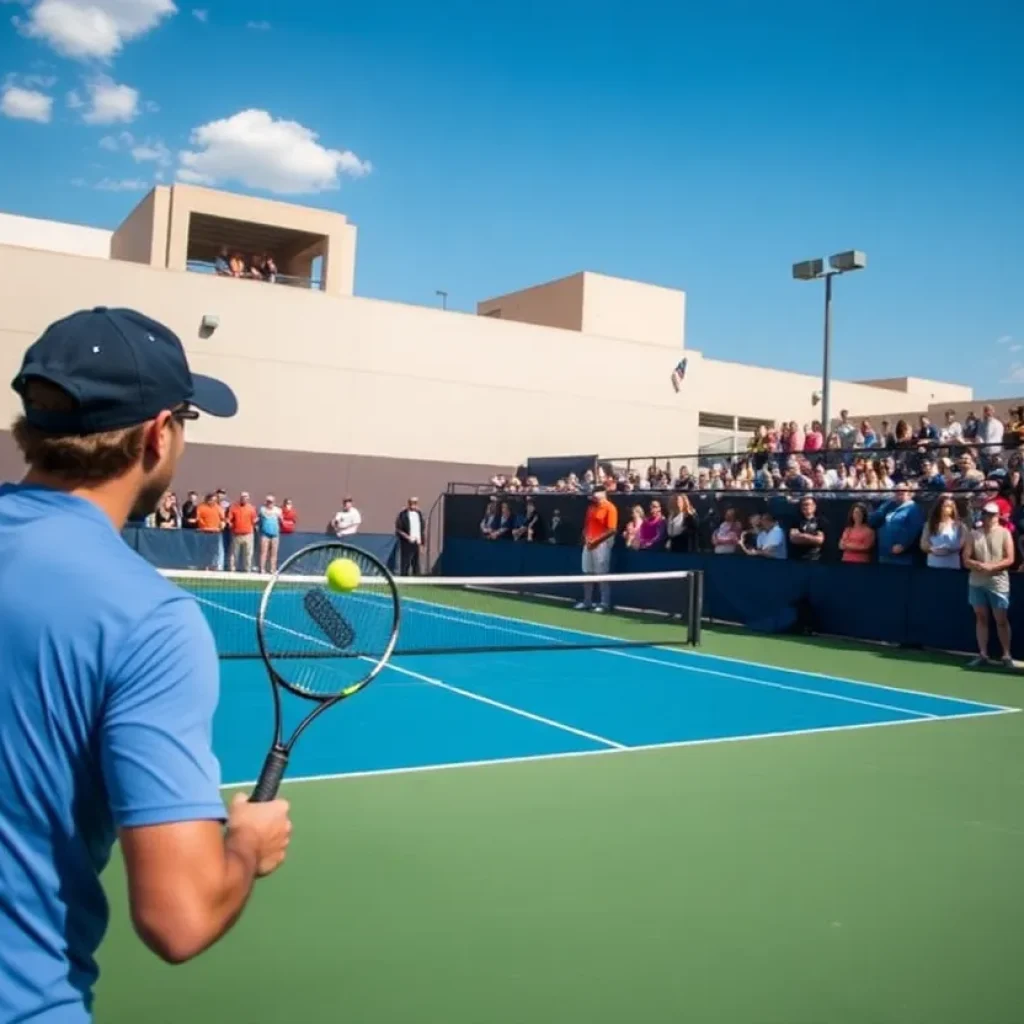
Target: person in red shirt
{"type": "Point", "coordinates": [289, 517]}
{"type": "Point", "coordinates": [242, 524]}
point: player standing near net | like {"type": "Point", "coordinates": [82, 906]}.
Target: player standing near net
{"type": "Point", "coordinates": [108, 677]}
{"type": "Point", "coordinates": [599, 527]}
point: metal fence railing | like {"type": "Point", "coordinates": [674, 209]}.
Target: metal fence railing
{"type": "Point", "coordinates": [206, 267]}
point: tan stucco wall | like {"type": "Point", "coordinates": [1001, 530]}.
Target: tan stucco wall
{"type": "Point", "coordinates": [321, 373]}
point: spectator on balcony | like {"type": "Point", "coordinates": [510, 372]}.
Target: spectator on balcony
{"type": "Point", "coordinates": [927, 433]}
{"type": "Point", "coordinates": [952, 432]}
{"type": "Point", "coordinates": [944, 534]}
{"type": "Point", "coordinates": [903, 436]}
{"type": "Point", "coordinates": [222, 264]}
{"type": "Point", "coordinates": [845, 430]}
{"type": "Point", "coordinates": [242, 524]}
{"type": "Point", "coordinates": [858, 539]}
{"type": "Point", "coordinates": [970, 431]}
{"type": "Point", "coordinates": [1013, 437]}
{"type": "Point", "coordinates": [814, 439]}
{"type": "Point", "coordinates": [684, 480]}
{"type": "Point", "coordinates": [990, 431]}
{"type": "Point", "coordinates": [631, 531]}
{"type": "Point", "coordinates": [236, 265]}
{"type": "Point", "coordinates": [795, 479]}
{"type": "Point", "coordinates": [898, 524]}
{"type": "Point", "coordinates": [289, 517]}
{"type": "Point", "coordinates": [931, 479]}
{"type": "Point", "coordinates": [189, 512]}
{"type": "Point", "coordinates": [807, 538]}
{"type": "Point", "coordinates": [885, 437]}
{"type": "Point", "coordinates": [967, 474]}
{"type": "Point", "coordinates": [988, 555]}
{"type": "Point", "coordinates": [347, 520]}
{"type": "Point", "coordinates": [728, 534]}
{"type": "Point", "coordinates": [866, 437]}
{"type": "Point", "coordinates": [270, 534]}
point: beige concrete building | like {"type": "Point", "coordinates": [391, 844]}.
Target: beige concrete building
{"type": "Point", "coordinates": [341, 393]}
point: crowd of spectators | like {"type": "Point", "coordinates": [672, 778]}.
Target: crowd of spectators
{"type": "Point", "coordinates": [259, 266]}
{"type": "Point", "coordinates": [238, 522]}
{"type": "Point", "coordinates": [956, 456]}
{"type": "Point", "coordinates": [908, 495]}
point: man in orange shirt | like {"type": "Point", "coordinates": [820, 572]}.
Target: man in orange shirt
{"type": "Point", "coordinates": [242, 523]}
{"type": "Point", "coordinates": [599, 527]}
{"type": "Point", "coordinates": [210, 521]}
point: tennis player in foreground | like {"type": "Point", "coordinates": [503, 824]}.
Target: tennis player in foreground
{"type": "Point", "coordinates": [108, 677]}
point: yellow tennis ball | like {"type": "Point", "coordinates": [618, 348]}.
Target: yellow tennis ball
{"type": "Point", "coordinates": [343, 574]}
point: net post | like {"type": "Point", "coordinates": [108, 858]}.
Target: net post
{"type": "Point", "coordinates": [696, 584]}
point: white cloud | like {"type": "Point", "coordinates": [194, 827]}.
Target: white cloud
{"type": "Point", "coordinates": [258, 26]}
{"type": "Point", "coordinates": [262, 153]}
{"type": "Point", "coordinates": [122, 185]}
{"type": "Point", "coordinates": [75, 101]}
{"type": "Point", "coordinates": [114, 143]}
{"type": "Point", "coordinates": [109, 102]}
{"type": "Point", "coordinates": [1016, 348]}
{"type": "Point", "coordinates": [26, 104]}
{"type": "Point", "coordinates": [201, 14]}
{"type": "Point", "coordinates": [38, 81]}
{"type": "Point", "coordinates": [152, 151]}
{"type": "Point", "coordinates": [92, 29]}
{"type": "Point", "coordinates": [1004, 339]}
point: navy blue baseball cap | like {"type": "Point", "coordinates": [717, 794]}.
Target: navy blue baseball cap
{"type": "Point", "coordinates": [121, 368]}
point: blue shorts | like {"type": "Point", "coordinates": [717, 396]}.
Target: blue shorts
{"type": "Point", "coordinates": [982, 597]}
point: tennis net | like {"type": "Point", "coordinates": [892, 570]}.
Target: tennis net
{"type": "Point", "coordinates": [448, 615]}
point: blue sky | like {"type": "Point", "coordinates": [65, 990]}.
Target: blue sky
{"type": "Point", "coordinates": [483, 148]}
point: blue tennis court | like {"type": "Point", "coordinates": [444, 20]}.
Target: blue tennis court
{"type": "Point", "coordinates": [543, 697]}
{"type": "Point", "coordinates": [611, 851]}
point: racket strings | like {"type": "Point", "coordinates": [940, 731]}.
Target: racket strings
{"type": "Point", "coordinates": [321, 641]}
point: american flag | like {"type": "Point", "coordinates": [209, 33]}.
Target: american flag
{"type": "Point", "coordinates": [678, 374]}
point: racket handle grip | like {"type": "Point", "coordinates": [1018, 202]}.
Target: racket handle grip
{"type": "Point", "coordinates": [270, 777]}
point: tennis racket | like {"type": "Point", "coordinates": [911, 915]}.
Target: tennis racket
{"type": "Point", "coordinates": [321, 644]}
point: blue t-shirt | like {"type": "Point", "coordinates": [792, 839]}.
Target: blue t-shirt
{"type": "Point", "coordinates": [270, 521]}
{"type": "Point", "coordinates": [108, 684]}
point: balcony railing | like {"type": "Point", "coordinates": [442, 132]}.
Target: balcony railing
{"type": "Point", "coordinates": [206, 267]}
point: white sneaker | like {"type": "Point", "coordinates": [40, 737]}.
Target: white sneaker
{"type": "Point", "coordinates": [600, 609]}
{"type": "Point", "coordinates": [582, 606]}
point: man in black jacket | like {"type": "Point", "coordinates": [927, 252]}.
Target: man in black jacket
{"type": "Point", "coordinates": [411, 530]}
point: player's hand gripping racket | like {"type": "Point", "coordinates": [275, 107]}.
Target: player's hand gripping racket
{"type": "Point", "coordinates": [327, 624]}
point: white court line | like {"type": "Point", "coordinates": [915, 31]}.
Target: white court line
{"type": "Point", "coordinates": [697, 669]}
{"type": "Point", "coordinates": [690, 654]}
{"type": "Point", "coordinates": [511, 709]}
{"type": "Point", "coordinates": [644, 748]}
{"type": "Point", "coordinates": [610, 744]}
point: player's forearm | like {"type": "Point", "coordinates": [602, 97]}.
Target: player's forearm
{"type": "Point", "coordinates": [180, 918]}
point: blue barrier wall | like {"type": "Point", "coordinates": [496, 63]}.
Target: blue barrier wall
{"type": "Point", "coordinates": [897, 604]}
{"type": "Point", "coordinates": [190, 549]}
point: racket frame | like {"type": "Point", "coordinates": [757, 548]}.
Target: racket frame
{"type": "Point", "coordinates": [276, 762]}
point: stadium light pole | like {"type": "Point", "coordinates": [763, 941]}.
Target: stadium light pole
{"type": "Point", "coordinates": [444, 298]}
{"type": "Point", "coordinates": [811, 270]}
